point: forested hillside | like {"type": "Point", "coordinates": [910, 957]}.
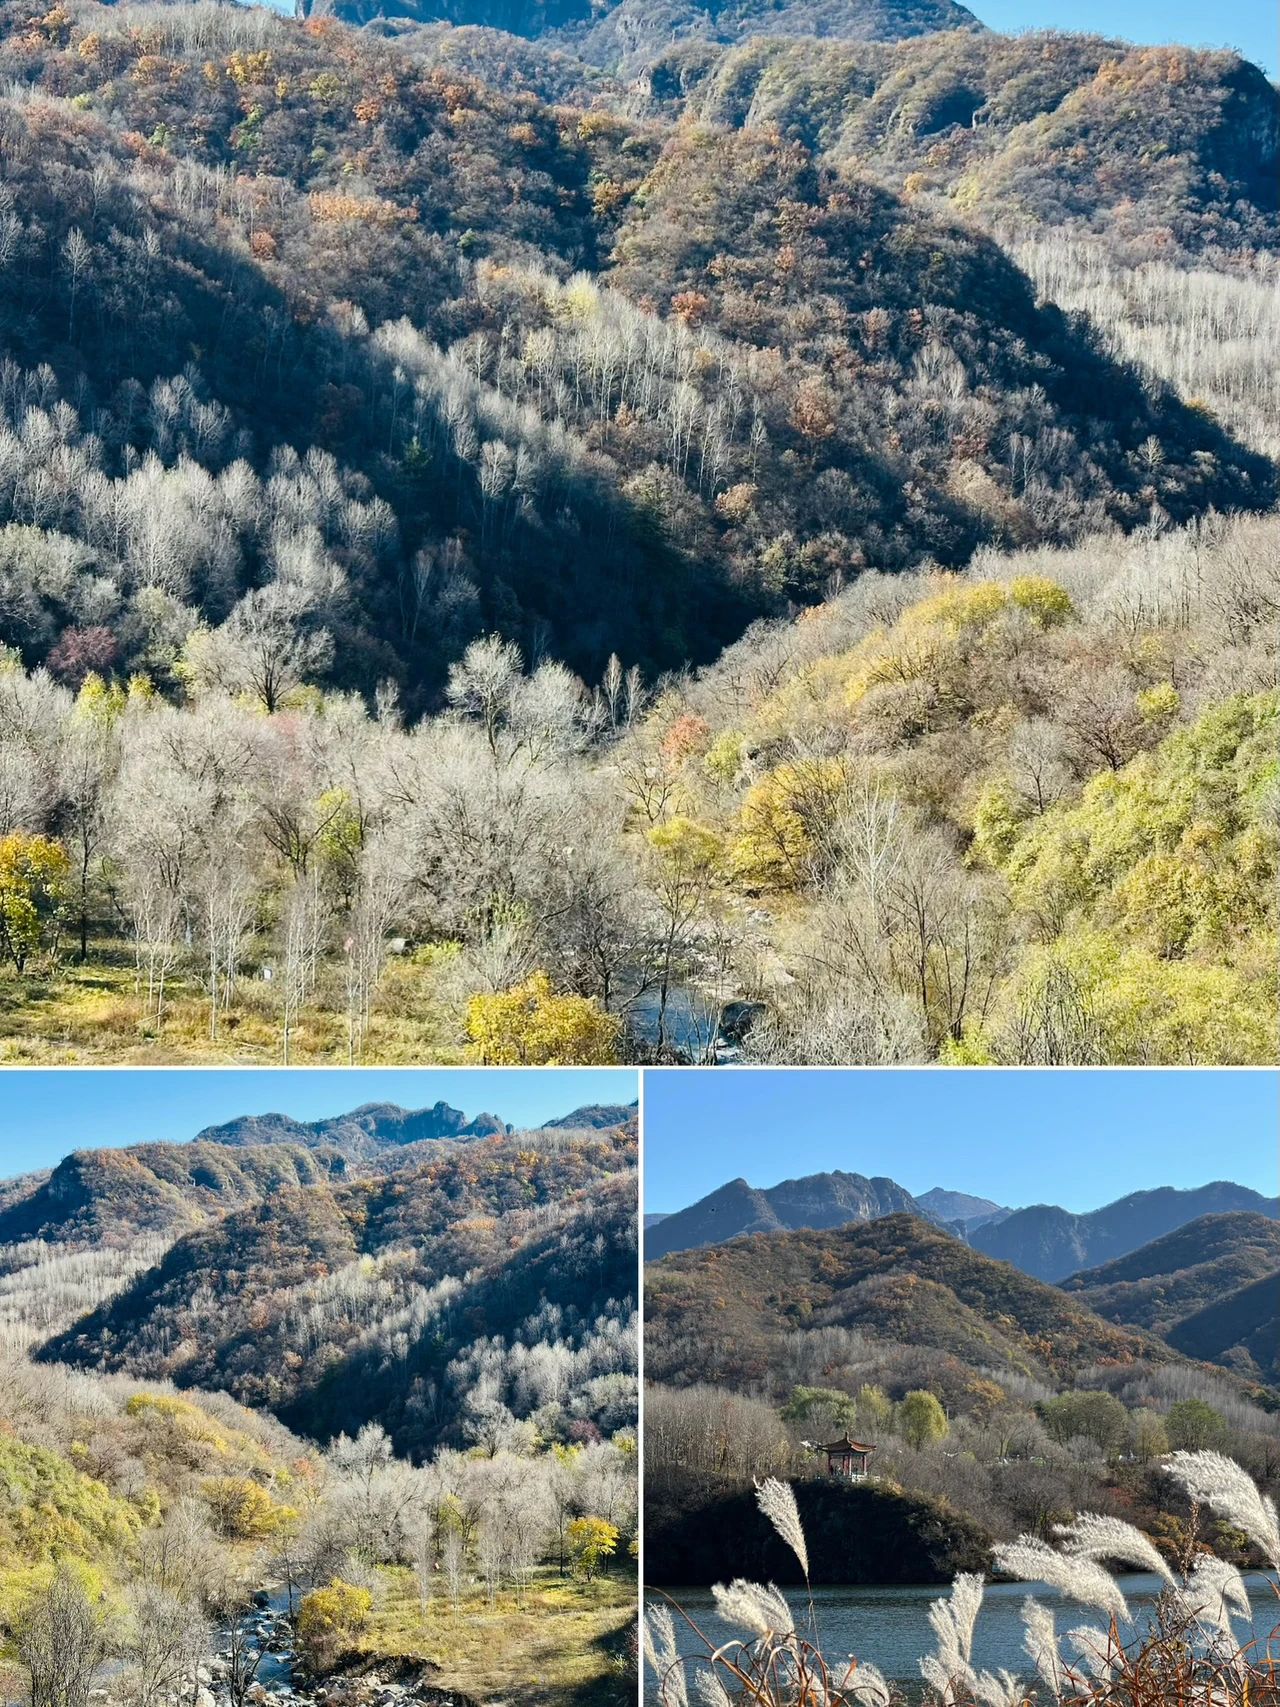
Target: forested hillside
{"type": "Point", "coordinates": [896, 1279]}
{"type": "Point", "coordinates": [1018, 815]}
{"type": "Point", "coordinates": [496, 1272]}
{"type": "Point", "coordinates": [995, 1403]}
{"type": "Point", "coordinates": [624, 33]}
{"type": "Point", "coordinates": [1211, 1289]}
{"type": "Point", "coordinates": [387, 438]}
{"type": "Point", "coordinates": [1156, 148]}
{"type": "Point", "coordinates": [398, 1300]}
{"type": "Point", "coordinates": [337, 391]}
{"type": "Point", "coordinates": [449, 1324]}
{"type": "Point", "coordinates": [163, 1546]}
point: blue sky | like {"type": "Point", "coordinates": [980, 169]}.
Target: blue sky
{"type": "Point", "coordinates": [1247, 25]}
{"type": "Point", "coordinates": [1077, 1139]}
{"type": "Point", "coordinates": [45, 1115]}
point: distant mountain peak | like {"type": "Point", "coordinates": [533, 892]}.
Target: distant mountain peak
{"type": "Point", "coordinates": [1052, 1243]}
{"type": "Point", "coordinates": [961, 1209]}
{"type": "Point", "coordinates": [360, 1134]}
{"type": "Point", "coordinates": [593, 1117]}
{"type": "Point", "coordinates": [817, 1201]}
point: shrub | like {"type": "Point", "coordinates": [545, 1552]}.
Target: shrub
{"type": "Point", "coordinates": [530, 1026]}
{"type": "Point", "coordinates": [243, 1510]}
{"type": "Point", "coordinates": [329, 1618]}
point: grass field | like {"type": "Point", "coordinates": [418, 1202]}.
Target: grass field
{"type": "Point", "coordinates": [559, 1644]}
{"type": "Point", "coordinates": [94, 1013]}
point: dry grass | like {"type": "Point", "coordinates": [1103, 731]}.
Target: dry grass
{"type": "Point", "coordinates": [1161, 1671]}
{"type": "Point", "coordinates": [1189, 1652]}
{"type": "Point", "coordinates": [92, 1013]}
{"type": "Point", "coordinates": [560, 1642]}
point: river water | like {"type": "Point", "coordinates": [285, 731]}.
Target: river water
{"type": "Point", "coordinates": [889, 1627]}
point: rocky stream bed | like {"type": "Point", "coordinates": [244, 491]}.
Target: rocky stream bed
{"type": "Point", "coordinates": [262, 1643]}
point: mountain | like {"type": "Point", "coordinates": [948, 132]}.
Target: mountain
{"type": "Point", "coordinates": [455, 495]}
{"type": "Point", "coordinates": [109, 1197]}
{"type": "Point", "coordinates": [1052, 1243]}
{"type": "Point", "coordinates": [1241, 1331]}
{"type": "Point", "coordinates": [619, 33]}
{"type": "Point", "coordinates": [817, 1200]}
{"type": "Point", "coordinates": [724, 1314]}
{"type": "Point", "coordinates": [594, 1117]}
{"type": "Point", "coordinates": [1211, 1289]}
{"type": "Point", "coordinates": [958, 1206]}
{"type": "Point", "coordinates": [352, 1299]}
{"type": "Point", "coordinates": [364, 1133]}
{"type": "Point", "coordinates": [113, 1195]}
{"type": "Point", "coordinates": [1174, 144]}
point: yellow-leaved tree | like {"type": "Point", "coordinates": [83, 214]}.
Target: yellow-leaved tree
{"type": "Point", "coordinates": [33, 896]}
{"type": "Point", "coordinates": [329, 1618]}
{"type": "Point", "coordinates": [592, 1540]}
{"type": "Point", "coordinates": [1148, 905]}
{"type": "Point", "coordinates": [785, 820]}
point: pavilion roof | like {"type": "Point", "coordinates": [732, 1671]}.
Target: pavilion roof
{"type": "Point", "coordinates": [845, 1445]}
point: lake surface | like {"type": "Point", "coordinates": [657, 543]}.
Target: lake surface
{"type": "Point", "coordinates": [888, 1626]}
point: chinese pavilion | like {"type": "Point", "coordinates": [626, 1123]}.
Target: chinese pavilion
{"type": "Point", "coordinates": [847, 1458]}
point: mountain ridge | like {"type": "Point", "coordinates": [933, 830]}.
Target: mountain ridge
{"type": "Point", "coordinates": [1210, 1288]}
{"type": "Point", "coordinates": [280, 1300]}
{"type": "Point", "coordinates": [720, 1313]}
{"type": "Point", "coordinates": [1052, 1243]}
{"type": "Point", "coordinates": [116, 1194]}
{"type": "Point", "coordinates": [812, 1200]}
{"type": "Point", "coordinates": [363, 1132]}
{"type": "Point", "coordinates": [1043, 1240]}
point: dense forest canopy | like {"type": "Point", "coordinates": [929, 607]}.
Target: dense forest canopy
{"type": "Point", "coordinates": [310, 339]}
{"type": "Point", "coordinates": [419, 443]}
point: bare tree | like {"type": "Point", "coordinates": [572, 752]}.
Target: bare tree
{"type": "Point", "coordinates": [380, 893]}
{"type": "Point", "coordinates": [61, 1642]}
{"type": "Point", "coordinates": [165, 1640]}
{"type": "Point", "coordinates": [244, 1661]}
{"type": "Point", "coordinates": [483, 683]}
{"type": "Point", "coordinates": [305, 920]}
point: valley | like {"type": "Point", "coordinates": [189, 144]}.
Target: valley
{"type": "Point", "coordinates": [828, 449]}
{"type": "Point", "coordinates": [344, 1411]}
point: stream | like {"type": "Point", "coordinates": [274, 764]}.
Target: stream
{"type": "Point", "coordinates": [708, 1030]}
{"type": "Point", "coordinates": [267, 1629]}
